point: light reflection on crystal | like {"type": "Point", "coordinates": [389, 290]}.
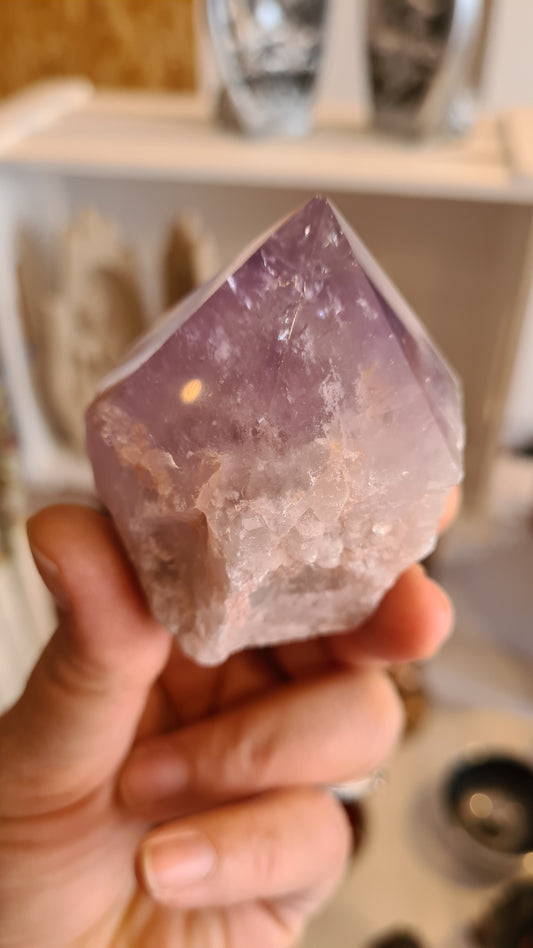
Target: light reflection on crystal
{"type": "Point", "coordinates": [191, 391]}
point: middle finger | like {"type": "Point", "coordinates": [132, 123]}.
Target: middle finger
{"type": "Point", "coordinates": [327, 730]}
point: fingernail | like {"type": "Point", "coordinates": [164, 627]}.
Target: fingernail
{"type": "Point", "coordinates": [172, 860]}
{"type": "Point", "coordinates": [153, 774]}
{"type": "Point", "coordinates": [51, 576]}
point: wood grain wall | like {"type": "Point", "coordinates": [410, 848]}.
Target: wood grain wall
{"type": "Point", "coordinates": [128, 43]}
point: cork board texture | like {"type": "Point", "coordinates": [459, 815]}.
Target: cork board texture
{"type": "Point", "coordinates": [121, 43]}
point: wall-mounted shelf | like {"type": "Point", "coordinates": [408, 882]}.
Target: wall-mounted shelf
{"type": "Point", "coordinates": [167, 136]}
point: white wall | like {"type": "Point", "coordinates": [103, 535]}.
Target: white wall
{"type": "Point", "coordinates": [508, 68]}
{"type": "Point", "coordinates": [509, 63]}
{"type": "Point", "coordinates": [518, 421]}
{"type": "Point", "coordinates": [343, 73]}
{"type": "Point", "coordinates": [509, 82]}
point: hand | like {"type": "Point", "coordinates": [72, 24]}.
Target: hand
{"type": "Point", "coordinates": [146, 802]}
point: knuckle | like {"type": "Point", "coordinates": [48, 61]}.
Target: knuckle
{"type": "Point", "coordinates": [244, 758]}
{"type": "Point", "coordinates": [250, 760]}
{"type": "Point", "coordinates": [66, 670]}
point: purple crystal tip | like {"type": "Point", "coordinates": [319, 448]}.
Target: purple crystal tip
{"type": "Point", "coordinates": [279, 449]}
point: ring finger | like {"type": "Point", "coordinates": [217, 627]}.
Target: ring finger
{"type": "Point", "coordinates": [283, 843]}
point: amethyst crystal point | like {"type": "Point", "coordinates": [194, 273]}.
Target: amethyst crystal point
{"type": "Point", "coordinates": [280, 448]}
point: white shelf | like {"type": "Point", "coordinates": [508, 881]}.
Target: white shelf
{"type": "Point", "coordinates": [172, 136]}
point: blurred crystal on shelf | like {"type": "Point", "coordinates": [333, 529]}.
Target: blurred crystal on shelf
{"type": "Point", "coordinates": [269, 54]}
{"type": "Point", "coordinates": [190, 258]}
{"type": "Point", "coordinates": [279, 449]}
{"type": "Point", "coordinates": [80, 330]}
{"type": "Point", "coordinates": [26, 611]}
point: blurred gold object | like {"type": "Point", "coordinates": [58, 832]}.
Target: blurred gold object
{"type": "Point", "coordinates": [128, 43]}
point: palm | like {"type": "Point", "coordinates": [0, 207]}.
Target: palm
{"type": "Point", "coordinates": [256, 737]}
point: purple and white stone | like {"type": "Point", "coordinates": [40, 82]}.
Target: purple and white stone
{"type": "Point", "coordinates": [279, 449]}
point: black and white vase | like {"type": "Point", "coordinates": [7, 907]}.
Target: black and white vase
{"type": "Point", "coordinates": [421, 62]}
{"type": "Point", "coordinates": [269, 53]}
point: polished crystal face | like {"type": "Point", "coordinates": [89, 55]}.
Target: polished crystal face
{"type": "Point", "coordinates": [280, 448]}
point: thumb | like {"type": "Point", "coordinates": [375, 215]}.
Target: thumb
{"type": "Point", "coordinates": [78, 714]}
